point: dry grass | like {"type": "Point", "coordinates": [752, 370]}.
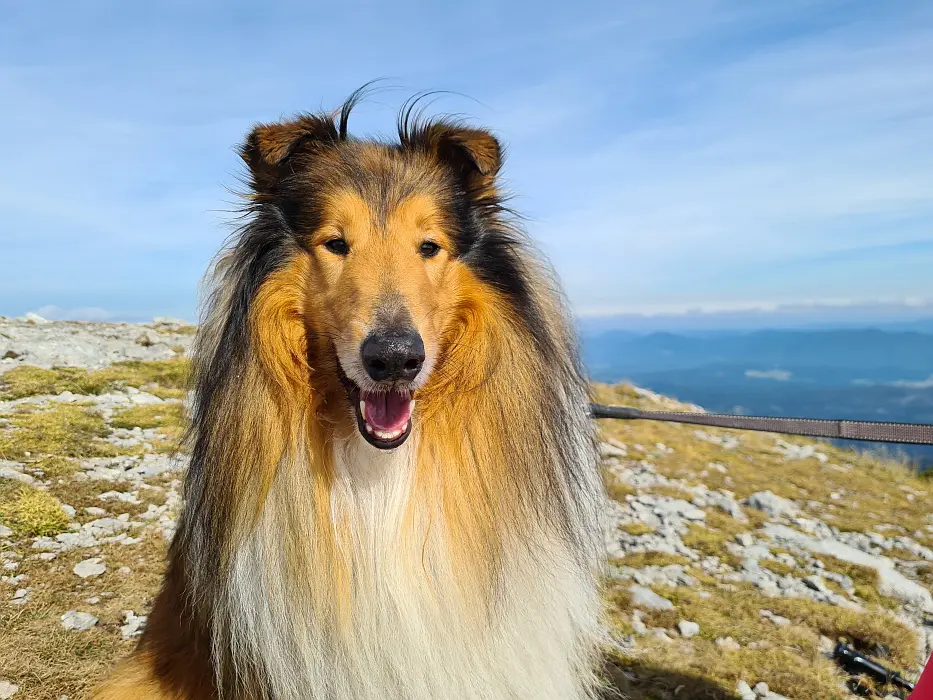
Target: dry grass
{"type": "Point", "coordinates": [792, 664]}
{"type": "Point", "coordinates": [852, 491]}
{"type": "Point", "coordinates": [47, 661]}
{"type": "Point", "coordinates": [703, 670]}
{"type": "Point", "coordinates": [870, 486]}
{"type": "Point", "coordinates": [707, 541]}
{"type": "Point", "coordinates": [925, 574]}
{"type": "Point", "coordinates": [53, 467]}
{"type": "Point", "coordinates": [26, 380]}
{"type": "Point", "coordinates": [778, 567]}
{"type": "Point", "coordinates": [874, 632]}
{"type": "Point", "coordinates": [670, 492]}
{"type": "Point", "coordinates": [615, 488]}
{"type": "Point", "coordinates": [81, 494]}
{"type": "Point", "coordinates": [864, 580]}
{"type": "Point", "coordinates": [642, 559]}
{"type": "Point", "coordinates": [637, 529]}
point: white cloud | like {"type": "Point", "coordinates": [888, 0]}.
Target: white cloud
{"type": "Point", "coordinates": [778, 375]}
{"type": "Point", "coordinates": [817, 147]}
{"type": "Point", "coordinates": [86, 313]}
{"type": "Point", "coordinates": [922, 384]}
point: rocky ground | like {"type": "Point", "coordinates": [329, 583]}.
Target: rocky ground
{"type": "Point", "coordinates": [737, 559]}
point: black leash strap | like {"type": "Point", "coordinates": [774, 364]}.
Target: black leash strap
{"type": "Point", "coordinates": [873, 431]}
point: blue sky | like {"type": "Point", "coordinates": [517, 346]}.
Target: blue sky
{"type": "Point", "coordinates": [669, 156]}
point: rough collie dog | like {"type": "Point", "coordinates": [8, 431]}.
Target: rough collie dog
{"type": "Point", "coordinates": [393, 489]}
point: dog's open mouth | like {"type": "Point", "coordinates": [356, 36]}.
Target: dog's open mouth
{"type": "Point", "coordinates": [384, 418]}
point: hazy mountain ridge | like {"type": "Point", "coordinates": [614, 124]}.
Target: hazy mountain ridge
{"type": "Point", "coordinates": [855, 374]}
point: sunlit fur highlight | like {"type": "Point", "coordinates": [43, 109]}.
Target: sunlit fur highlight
{"type": "Point", "coordinates": [307, 564]}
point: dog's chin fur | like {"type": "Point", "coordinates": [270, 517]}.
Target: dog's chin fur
{"type": "Point", "coordinates": [410, 634]}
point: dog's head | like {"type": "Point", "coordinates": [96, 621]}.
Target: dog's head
{"type": "Point", "coordinates": [392, 237]}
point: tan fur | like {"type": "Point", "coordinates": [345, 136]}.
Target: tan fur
{"type": "Point", "coordinates": [135, 679]}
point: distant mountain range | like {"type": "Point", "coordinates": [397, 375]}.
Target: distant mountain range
{"type": "Point", "coordinates": [857, 374]}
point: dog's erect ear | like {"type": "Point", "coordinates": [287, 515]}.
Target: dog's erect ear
{"type": "Point", "coordinates": [270, 148]}
{"type": "Point", "coordinates": [474, 154]}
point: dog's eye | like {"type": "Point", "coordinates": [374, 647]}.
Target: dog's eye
{"type": "Point", "coordinates": [429, 249]}
{"type": "Point", "coordinates": [337, 246]}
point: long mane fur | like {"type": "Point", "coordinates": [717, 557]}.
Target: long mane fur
{"type": "Point", "coordinates": [460, 565]}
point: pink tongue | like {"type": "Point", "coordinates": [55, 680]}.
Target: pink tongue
{"type": "Point", "coordinates": [387, 412]}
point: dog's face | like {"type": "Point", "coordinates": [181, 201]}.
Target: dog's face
{"type": "Point", "coordinates": [384, 285]}
{"type": "Point", "coordinates": [385, 230]}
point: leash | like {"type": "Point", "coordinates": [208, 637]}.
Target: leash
{"type": "Point", "coordinates": [872, 431]}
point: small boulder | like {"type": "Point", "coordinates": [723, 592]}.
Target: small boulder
{"type": "Point", "coordinates": [638, 624]}
{"type": "Point", "coordinates": [772, 504]}
{"type": "Point", "coordinates": [133, 625]}
{"type": "Point", "coordinates": [688, 629]}
{"type": "Point", "coordinates": [78, 621]}
{"type": "Point", "coordinates": [816, 583]}
{"type": "Point", "coordinates": [90, 568]}
{"type": "Point", "coordinates": [646, 598]}
{"type": "Point", "coordinates": [728, 643]}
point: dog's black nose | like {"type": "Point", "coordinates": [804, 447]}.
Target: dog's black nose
{"type": "Point", "coordinates": [393, 355]}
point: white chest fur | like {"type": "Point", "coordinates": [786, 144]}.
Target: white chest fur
{"type": "Point", "coordinates": [408, 635]}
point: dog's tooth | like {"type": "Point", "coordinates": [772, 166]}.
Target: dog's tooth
{"type": "Point", "coordinates": [411, 406]}
{"type": "Point", "coordinates": [369, 429]}
{"type": "Point", "coordinates": [363, 409]}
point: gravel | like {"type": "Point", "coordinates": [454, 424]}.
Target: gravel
{"type": "Point", "coordinates": [34, 340]}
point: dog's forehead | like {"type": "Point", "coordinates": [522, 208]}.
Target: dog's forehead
{"type": "Point", "coordinates": [352, 209]}
{"type": "Point", "coordinates": [384, 184]}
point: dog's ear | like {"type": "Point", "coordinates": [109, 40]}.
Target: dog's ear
{"type": "Point", "coordinates": [269, 149]}
{"type": "Point", "coordinates": [475, 155]}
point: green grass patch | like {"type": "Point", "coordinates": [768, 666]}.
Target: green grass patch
{"type": "Point", "coordinates": [616, 489]}
{"type": "Point", "coordinates": [864, 580]}
{"type": "Point", "coordinates": [30, 512]}
{"type": "Point", "coordinates": [637, 529]}
{"type": "Point", "coordinates": [778, 567]}
{"type": "Point", "coordinates": [169, 417]}
{"type": "Point", "coordinates": [63, 430]}
{"type": "Point", "coordinates": [56, 467]}
{"type": "Point", "coordinates": [867, 630]}
{"type": "Point", "coordinates": [26, 380]}
{"type": "Point", "coordinates": [640, 560]}
{"type": "Point", "coordinates": [707, 541]}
